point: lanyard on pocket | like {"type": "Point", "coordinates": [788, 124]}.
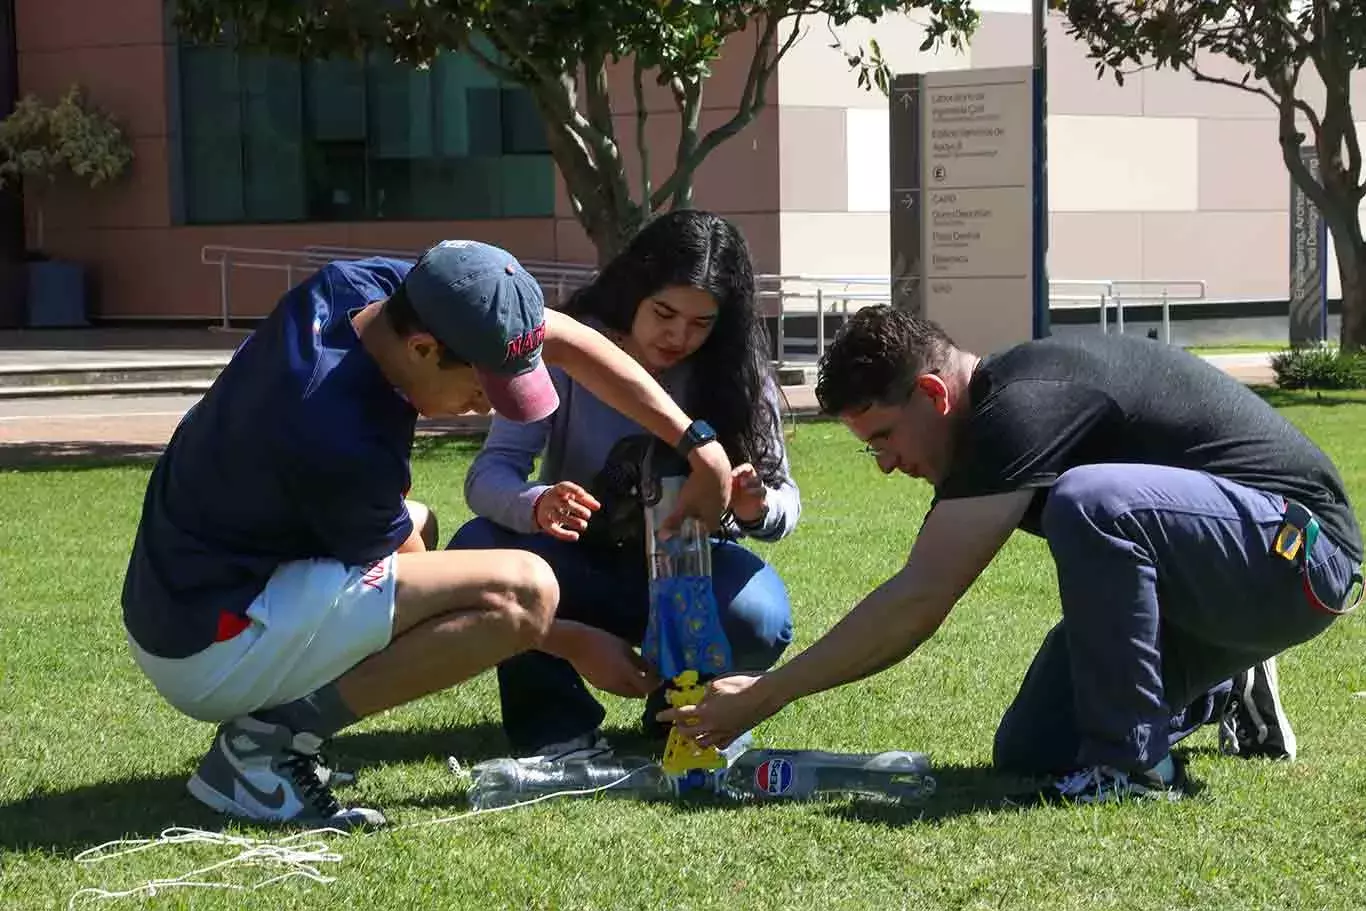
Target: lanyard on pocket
{"type": "Point", "coordinates": [1294, 541]}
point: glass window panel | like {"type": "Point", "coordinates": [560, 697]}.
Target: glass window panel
{"type": "Point", "coordinates": [212, 128]}
{"type": "Point", "coordinates": [213, 181]}
{"type": "Point", "coordinates": [271, 139]}
{"type": "Point", "coordinates": [528, 186]}
{"type": "Point", "coordinates": [523, 131]}
{"type": "Point", "coordinates": [272, 106]}
{"type": "Point", "coordinates": [400, 111]}
{"type": "Point", "coordinates": [336, 100]}
{"type": "Point", "coordinates": [209, 92]}
{"type": "Point", "coordinates": [483, 109]}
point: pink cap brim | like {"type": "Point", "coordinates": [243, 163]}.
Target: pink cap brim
{"type": "Point", "coordinates": [523, 398]}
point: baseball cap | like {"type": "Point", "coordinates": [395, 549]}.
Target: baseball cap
{"type": "Point", "coordinates": [478, 301]}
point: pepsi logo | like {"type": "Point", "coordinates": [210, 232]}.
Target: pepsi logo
{"type": "Point", "coordinates": [774, 777]}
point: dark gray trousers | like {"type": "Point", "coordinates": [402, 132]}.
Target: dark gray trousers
{"type": "Point", "coordinates": [1168, 589]}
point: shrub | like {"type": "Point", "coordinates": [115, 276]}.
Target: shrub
{"type": "Point", "coordinates": [39, 144]}
{"type": "Point", "coordinates": [1319, 367]}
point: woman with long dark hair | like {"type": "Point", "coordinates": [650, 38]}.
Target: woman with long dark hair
{"type": "Point", "coordinates": [681, 300]}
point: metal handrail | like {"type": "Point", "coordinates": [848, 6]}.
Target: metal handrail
{"type": "Point", "coordinates": [837, 290]}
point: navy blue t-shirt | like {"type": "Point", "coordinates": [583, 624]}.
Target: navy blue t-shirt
{"type": "Point", "coordinates": [299, 450]}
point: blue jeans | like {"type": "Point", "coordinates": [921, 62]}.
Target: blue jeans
{"type": "Point", "coordinates": [544, 700]}
{"type": "Point", "coordinates": [1168, 589]}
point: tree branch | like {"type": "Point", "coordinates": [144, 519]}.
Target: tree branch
{"type": "Point", "coordinates": [597, 94]}
{"type": "Point", "coordinates": [642, 116]}
{"type": "Point", "coordinates": [678, 192]}
{"type": "Point", "coordinates": [752, 100]}
{"type": "Point", "coordinates": [1299, 171]}
{"type": "Point", "coordinates": [1220, 80]}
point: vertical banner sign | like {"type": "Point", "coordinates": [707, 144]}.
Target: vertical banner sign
{"type": "Point", "coordinates": [904, 129]}
{"type": "Point", "coordinates": [1308, 261]}
{"type": "Point", "coordinates": [965, 225]}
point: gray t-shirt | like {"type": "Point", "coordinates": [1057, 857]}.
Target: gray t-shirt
{"type": "Point", "coordinates": [1043, 407]}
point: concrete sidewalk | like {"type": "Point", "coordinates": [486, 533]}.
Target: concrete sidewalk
{"type": "Point", "coordinates": [67, 421]}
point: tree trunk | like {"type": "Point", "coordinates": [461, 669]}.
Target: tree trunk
{"type": "Point", "coordinates": [609, 233]}
{"type": "Point", "coordinates": [1339, 210]}
{"type": "Point", "coordinates": [1351, 254]}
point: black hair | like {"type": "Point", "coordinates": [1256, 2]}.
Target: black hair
{"type": "Point", "coordinates": [876, 357]}
{"type": "Point", "coordinates": [403, 319]}
{"type": "Point", "coordinates": [692, 248]}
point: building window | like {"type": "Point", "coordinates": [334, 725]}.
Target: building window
{"type": "Point", "coordinates": [268, 139]}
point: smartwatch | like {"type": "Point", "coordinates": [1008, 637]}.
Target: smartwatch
{"type": "Point", "coordinates": [697, 434]}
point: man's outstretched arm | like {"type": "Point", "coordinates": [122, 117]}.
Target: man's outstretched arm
{"type": "Point", "coordinates": [956, 543]}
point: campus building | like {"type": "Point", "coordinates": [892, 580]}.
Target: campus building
{"type": "Point", "coordinates": [1160, 180]}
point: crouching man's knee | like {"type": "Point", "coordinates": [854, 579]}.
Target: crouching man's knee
{"type": "Point", "coordinates": [528, 596]}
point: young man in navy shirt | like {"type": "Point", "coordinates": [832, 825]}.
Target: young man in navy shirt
{"type": "Point", "coordinates": [283, 586]}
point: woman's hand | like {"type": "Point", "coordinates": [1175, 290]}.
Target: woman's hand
{"type": "Point", "coordinates": [563, 510]}
{"type": "Point", "coordinates": [748, 495]}
{"type": "Point", "coordinates": [705, 495]}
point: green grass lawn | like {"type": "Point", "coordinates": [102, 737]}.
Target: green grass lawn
{"type": "Point", "coordinates": [88, 753]}
{"type": "Point", "coordinates": [1235, 348]}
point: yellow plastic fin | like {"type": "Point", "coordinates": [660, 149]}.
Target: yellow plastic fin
{"type": "Point", "coordinates": [681, 753]}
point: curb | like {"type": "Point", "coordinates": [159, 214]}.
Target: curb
{"type": "Point", "coordinates": [74, 390]}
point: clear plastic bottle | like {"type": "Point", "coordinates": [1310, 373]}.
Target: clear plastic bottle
{"type": "Point", "coordinates": [892, 777]}
{"type": "Point", "coordinates": [684, 630]}
{"type": "Point", "coordinates": [501, 782]}
{"type": "Point", "coordinates": [895, 776]}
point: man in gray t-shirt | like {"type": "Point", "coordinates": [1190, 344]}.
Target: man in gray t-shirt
{"type": "Point", "coordinates": [1195, 531]}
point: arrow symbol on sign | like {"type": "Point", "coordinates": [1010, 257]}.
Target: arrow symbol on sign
{"type": "Point", "coordinates": [906, 97]}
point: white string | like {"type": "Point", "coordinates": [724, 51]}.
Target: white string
{"type": "Point", "coordinates": [298, 861]}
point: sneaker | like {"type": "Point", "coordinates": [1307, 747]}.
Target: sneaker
{"type": "Point", "coordinates": [332, 777]}
{"type": "Point", "coordinates": [1103, 784]}
{"type": "Point", "coordinates": [585, 746]}
{"type": "Point", "coordinates": [1254, 724]}
{"type": "Point", "coordinates": [267, 773]}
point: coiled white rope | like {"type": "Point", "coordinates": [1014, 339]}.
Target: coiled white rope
{"type": "Point", "coordinates": [291, 857]}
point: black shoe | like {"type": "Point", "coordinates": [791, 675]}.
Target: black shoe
{"type": "Point", "coordinates": [1254, 724]}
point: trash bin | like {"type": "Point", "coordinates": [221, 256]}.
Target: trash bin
{"type": "Point", "coordinates": [13, 293]}
{"type": "Point", "coordinates": [56, 294]}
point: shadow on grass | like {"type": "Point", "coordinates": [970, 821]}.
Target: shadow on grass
{"type": "Point", "coordinates": [71, 821]}
{"type": "Point", "coordinates": [67, 822]}
{"type": "Point", "coordinates": [75, 455]}
{"type": "Point", "coordinates": [469, 744]}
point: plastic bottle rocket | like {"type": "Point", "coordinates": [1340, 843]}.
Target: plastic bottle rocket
{"type": "Point", "coordinates": [683, 638]}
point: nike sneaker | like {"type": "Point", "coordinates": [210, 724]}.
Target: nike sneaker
{"type": "Point", "coordinates": [265, 772]}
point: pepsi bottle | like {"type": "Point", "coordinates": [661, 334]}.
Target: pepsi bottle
{"type": "Point", "coordinates": [891, 777]}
